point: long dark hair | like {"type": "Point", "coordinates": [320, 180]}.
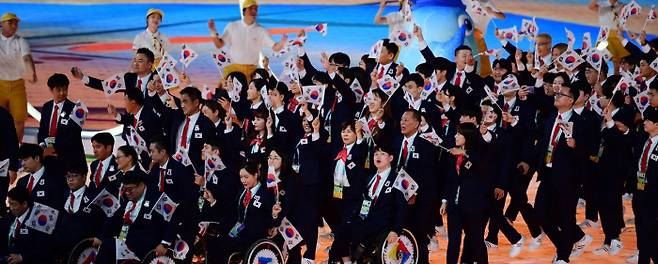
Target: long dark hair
{"type": "Point", "coordinates": [286, 174]}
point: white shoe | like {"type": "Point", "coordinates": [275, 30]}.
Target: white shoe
{"type": "Point", "coordinates": [633, 258]}
{"type": "Point", "coordinates": [535, 242]}
{"type": "Point", "coordinates": [433, 245]}
{"type": "Point", "coordinates": [517, 248]}
{"type": "Point", "coordinates": [490, 246]}
{"type": "Point", "coordinates": [561, 262]}
{"type": "Point", "coordinates": [440, 231]}
{"type": "Point", "coordinates": [581, 203]}
{"type": "Point", "coordinates": [579, 247]}
{"type": "Point", "coordinates": [588, 224]}
{"type": "Point", "coordinates": [603, 250]}
{"type": "Point", "coordinates": [627, 196]}
{"type": "Point", "coordinates": [615, 247]}
{"type": "Point", "coordinates": [308, 261]}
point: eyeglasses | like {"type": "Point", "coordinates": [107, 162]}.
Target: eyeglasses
{"type": "Point", "coordinates": [558, 95]}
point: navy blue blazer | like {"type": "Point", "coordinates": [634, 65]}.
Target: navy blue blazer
{"type": "Point", "coordinates": [68, 139]}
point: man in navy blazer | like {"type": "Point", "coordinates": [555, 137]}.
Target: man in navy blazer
{"type": "Point", "coordinates": [45, 179]}
{"type": "Point", "coordinates": [24, 244]}
{"type": "Point", "coordinates": [8, 150]}
{"type": "Point", "coordinates": [104, 168]}
{"type": "Point", "coordinates": [560, 152]}
{"type": "Point", "coordinates": [136, 222]}
{"type": "Point", "coordinates": [140, 117]}
{"type": "Point", "coordinates": [189, 129]}
{"type": "Point", "coordinates": [56, 124]}
{"type": "Point", "coordinates": [417, 157]}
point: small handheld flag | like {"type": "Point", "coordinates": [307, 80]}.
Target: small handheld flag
{"type": "Point", "coordinates": [114, 83]}
{"type": "Point", "coordinates": [108, 203]}
{"type": "Point", "coordinates": [289, 234]}
{"type": "Point", "coordinates": [122, 251]}
{"type": "Point", "coordinates": [79, 113]}
{"type": "Point", "coordinates": [169, 77]}
{"type": "Point", "coordinates": [165, 206]}
{"type": "Point", "coordinates": [187, 55]}
{"type": "Point", "coordinates": [405, 184]}
{"type": "Point", "coordinates": [43, 218]}
{"type": "Point", "coordinates": [388, 84]}
{"type": "Point", "coordinates": [313, 94]}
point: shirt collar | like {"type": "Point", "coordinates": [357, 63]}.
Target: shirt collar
{"type": "Point", "coordinates": [139, 113]}
{"type": "Point", "coordinates": [164, 166]}
{"type": "Point", "coordinates": [37, 175]}
{"type": "Point", "coordinates": [410, 139]}
{"type": "Point", "coordinates": [511, 102]}
{"type": "Point", "coordinates": [156, 34]}
{"type": "Point", "coordinates": [278, 110]}
{"type": "Point", "coordinates": [566, 115]}
{"type": "Point", "coordinates": [7, 38]}
{"type": "Point", "coordinates": [60, 104]}
{"type": "Point", "coordinates": [22, 217]}
{"type": "Point", "coordinates": [193, 118]}
{"type": "Point", "coordinates": [256, 105]}
{"type": "Point", "coordinates": [349, 147]}
{"type": "Point", "coordinates": [253, 189]}
{"type": "Point", "coordinates": [79, 192]}
{"type": "Point", "coordinates": [579, 110]}
{"type": "Point", "coordinates": [106, 161]}
{"type": "Point", "coordinates": [384, 174]}
{"type": "Point", "coordinates": [654, 139]}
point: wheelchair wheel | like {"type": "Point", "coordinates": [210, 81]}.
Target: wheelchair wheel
{"type": "Point", "coordinates": [151, 258]}
{"type": "Point", "coordinates": [83, 253]}
{"type": "Point", "coordinates": [264, 251]}
{"type": "Point", "coordinates": [405, 251]}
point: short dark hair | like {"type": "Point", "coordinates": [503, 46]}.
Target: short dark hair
{"type": "Point", "coordinates": [617, 99]}
{"type": "Point", "coordinates": [135, 95]}
{"type": "Point", "coordinates": [148, 53]}
{"type": "Point", "coordinates": [28, 150]}
{"type": "Point", "coordinates": [414, 114]}
{"type": "Point", "coordinates": [160, 143]}
{"type": "Point", "coordinates": [392, 48]}
{"type": "Point", "coordinates": [426, 69]}
{"type": "Point", "coordinates": [192, 92]}
{"type": "Point", "coordinates": [340, 58]}
{"type": "Point", "coordinates": [472, 111]}
{"type": "Point", "coordinates": [259, 84]}
{"type": "Point", "coordinates": [279, 87]}
{"type": "Point", "coordinates": [58, 80]}
{"type": "Point", "coordinates": [80, 169]}
{"type": "Point", "coordinates": [463, 47]}
{"type": "Point", "coordinates": [261, 113]}
{"type": "Point", "coordinates": [503, 63]}
{"type": "Point", "coordinates": [651, 114]}
{"type": "Point", "coordinates": [103, 138]}
{"type": "Point", "coordinates": [263, 73]}
{"type": "Point", "coordinates": [441, 64]}
{"type": "Point", "coordinates": [384, 148]}
{"type": "Point", "coordinates": [130, 153]}
{"type": "Point", "coordinates": [322, 77]}
{"type": "Point", "coordinates": [252, 167]}
{"type": "Point", "coordinates": [134, 177]}
{"type": "Point", "coordinates": [348, 124]}
{"type": "Point", "coordinates": [416, 78]}
{"type": "Point", "coordinates": [19, 194]}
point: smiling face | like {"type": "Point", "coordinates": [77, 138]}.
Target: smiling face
{"type": "Point", "coordinates": [9, 27]}
{"type": "Point", "coordinates": [462, 57]}
{"type": "Point", "coordinates": [153, 21]}
{"type": "Point", "coordinates": [140, 64]}
{"type": "Point", "coordinates": [460, 140]}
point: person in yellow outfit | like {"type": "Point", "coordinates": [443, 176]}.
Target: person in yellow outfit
{"type": "Point", "coordinates": [610, 12]}
{"type": "Point", "coordinates": [480, 24]}
{"type": "Point", "coordinates": [15, 61]}
{"type": "Point", "coordinates": [245, 39]}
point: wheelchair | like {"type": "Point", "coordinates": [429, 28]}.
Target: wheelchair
{"type": "Point", "coordinates": [261, 251]}
{"type": "Point", "coordinates": [405, 251]}
{"type": "Point", "coordinates": [83, 252]}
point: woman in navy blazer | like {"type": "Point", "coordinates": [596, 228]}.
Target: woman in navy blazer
{"type": "Point", "coordinates": [466, 197]}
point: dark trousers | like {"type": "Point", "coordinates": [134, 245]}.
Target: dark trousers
{"type": "Point", "coordinates": [498, 222]}
{"type": "Point", "coordinates": [307, 217]}
{"type": "Point", "coordinates": [556, 212]}
{"type": "Point", "coordinates": [611, 209]}
{"type": "Point", "coordinates": [519, 200]}
{"type": "Point", "coordinates": [418, 225]}
{"type": "Point", "coordinates": [646, 225]}
{"type": "Point", "coordinates": [343, 210]}
{"type": "Point", "coordinates": [591, 185]}
{"type": "Point", "coordinates": [472, 224]}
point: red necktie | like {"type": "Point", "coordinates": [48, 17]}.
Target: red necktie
{"type": "Point", "coordinates": [342, 155]}
{"type": "Point", "coordinates": [375, 185]}
{"type": "Point", "coordinates": [162, 179]}
{"type": "Point", "coordinates": [97, 177]}
{"type": "Point", "coordinates": [53, 122]}
{"type": "Point", "coordinates": [71, 202]}
{"type": "Point", "coordinates": [405, 152]}
{"type": "Point", "coordinates": [458, 81]}
{"type": "Point", "coordinates": [183, 138]}
{"type": "Point", "coordinates": [458, 164]}
{"type": "Point", "coordinates": [645, 156]}
{"type": "Point", "coordinates": [135, 122]}
{"type": "Point", "coordinates": [381, 72]}
{"type": "Point", "coordinates": [126, 217]}
{"type": "Point", "coordinates": [247, 198]}
{"type": "Point", "coordinates": [333, 103]}
{"type": "Point", "coordinates": [505, 109]}
{"type": "Point", "coordinates": [139, 84]}
{"type": "Point", "coordinates": [555, 131]}
{"type": "Point", "coordinates": [17, 228]}
{"type": "Point", "coordinates": [30, 184]}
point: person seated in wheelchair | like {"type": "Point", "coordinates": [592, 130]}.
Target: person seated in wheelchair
{"type": "Point", "coordinates": [137, 222]}
{"type": "Point", "coordinates": [382, 210]}
{"type": "Point", "coordinates": [244, 221]}
{"type": "Point", "coordinates": [80, 219]}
